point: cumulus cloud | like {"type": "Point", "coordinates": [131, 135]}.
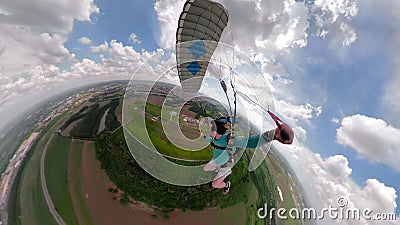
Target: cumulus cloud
{"type": "Point", "coordinates": [335, 120]}
{"type": "Point", "coordinates": [268, 25]}
{"type": "Point", "coordinates": [134, 39]}
{"type": "Point", "coordinates": [325, 180]}
{"type": "Point", "coordinates": [32, 37]}
{"type": "Point", "coordinates": [372, 138]}
{"type": "Point", "coordinates": [85, 41]}
{"type": "Point", "coordinates": [40, 79]}
{"type": "Point", "coordinates": [34, 32]}
{"type": "Point", "coordinates": [349, 34]}
{"type": "Point", "coordinates": [120, 61]}
{"type": "Point", "coordinates": [296, 113]}
{"type": "Point", "coordinates": [116, 60]}
{"type": "Point", "coordinates": [168, 19]}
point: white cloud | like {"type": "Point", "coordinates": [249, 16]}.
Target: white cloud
{"type": "Point", "coordinates": [87, 67]}
{"type": "Point", "coordinates": [85, 41]}
{"type": "Point", "coordinates": [332, 10]}
{"type": "Point", "coordinates": [372, 138]}
{"type": "Point", "coordinates": [134, 38]}
{"type": "Point", "coordinates": [295, 113]}
{"type": "Point", "coordinates": [168, 12]}
{"type": "Point", "coordinates": [270, 26]}
{"type": "Point", "coordinates": [116, 60]}
{"type": "Point", "coordinates": [99, 48]}
{"type": "Point", "coordinates": [33, 33]}
{"type": "Point", "coordinates": [324, 181]}
{"type": "Point", "coordinates": [349, 34]}
{"type": "Point", "coordinates": [335, 120]}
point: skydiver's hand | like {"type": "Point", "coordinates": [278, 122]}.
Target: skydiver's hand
{"type": "Point", "coordinates": [288, 130]}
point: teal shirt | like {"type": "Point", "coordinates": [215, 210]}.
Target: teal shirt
{"type": "Point", "coordinates": [222, 156]}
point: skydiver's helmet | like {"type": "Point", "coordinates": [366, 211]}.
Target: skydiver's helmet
{"type": "Point", "coordinates": [221, 125]}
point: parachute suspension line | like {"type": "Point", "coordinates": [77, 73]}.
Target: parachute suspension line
{"type": "Point", "coordinates": [234, 101]}
{"type": "Point", "coordinates": [250, 99]}
{"type": "Point", "coordinates": [233, 52]}
{"type": "Point", "coordinates": [272, 115]}
{"type": "Point", "coordinates": [223, 85]}
{"type": "Point", "coordinates": [232, 81]}
{"type": "Point", "coordinates": [232, 138]}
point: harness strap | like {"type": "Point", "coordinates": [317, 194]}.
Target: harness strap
{"type": "Point", "coordinates": [221, 147]}
{"type": "Point", "coordinates": [217, 146]}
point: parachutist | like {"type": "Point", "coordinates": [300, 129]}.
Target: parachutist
{"type": "Point", "coordinates": [219, 139]}
{"type": "Point", "coordinates": [197, 38]}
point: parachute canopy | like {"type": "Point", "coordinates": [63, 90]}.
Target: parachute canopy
{"type": "Point", "coordinates": [200, 27]}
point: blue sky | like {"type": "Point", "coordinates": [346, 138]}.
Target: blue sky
{"type": "Point", "coordinates": [353, 84]}
{"type": "Point", "coordinates": [116, 21]}
{"type": "Point", "coordinates": [337, 55]}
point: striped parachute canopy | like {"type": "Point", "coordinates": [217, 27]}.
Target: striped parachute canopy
{"type": "Point", "coordinates": [199, 29]}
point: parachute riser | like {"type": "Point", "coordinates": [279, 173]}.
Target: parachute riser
{"type": "Point", "coordinates": [231, 140]}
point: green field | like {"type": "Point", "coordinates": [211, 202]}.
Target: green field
{"type": "Point", "coordinates": [56, 163]}
{"type": "Point", "coordinates": [29, 205]}
{"type": "Point", "coordinates": [284, 183]}
{"type": "Point", "coordinates": [158, 139]}
{"type": "Point", "coordinates": [33, 207]}
{"type": "Point", "coordinates": [252, 206]}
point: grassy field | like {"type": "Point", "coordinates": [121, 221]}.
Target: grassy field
{"type": "Point", "coordinates": [75, 184]}
{"type": "Point", "coordinates": [154, 130]}
{"type": "Point", "coordinates": [56, 163]}
{"type": "Point", "coordinates": [30, 206]}
{"type": "Point", "coordinates": [33, 207]}
{"type": "Point", "coordinates": [284, 183]}
{"type": "Point", "coordinates": [252, 207]}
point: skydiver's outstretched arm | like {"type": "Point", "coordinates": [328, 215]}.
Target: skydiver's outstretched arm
{"type": "Point", "coordinates": [255, 141]}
